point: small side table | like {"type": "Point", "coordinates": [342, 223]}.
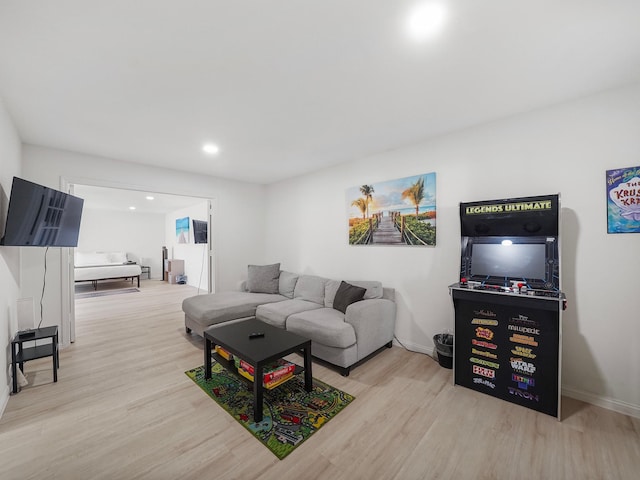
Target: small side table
{"type": "Point", "coordinates": [146, 269]}
{"type": "Point", "coordinates": [19, 355]}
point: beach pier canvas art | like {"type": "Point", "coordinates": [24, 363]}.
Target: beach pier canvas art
{"type": "Point", "coordinates": [182, 230]}
{"type": "Point", "coordinates": [394, 212]}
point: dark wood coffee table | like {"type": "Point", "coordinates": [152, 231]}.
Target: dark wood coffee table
{"type": "Point", "coordinates": [258, 352]}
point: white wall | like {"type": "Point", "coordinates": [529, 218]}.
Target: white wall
{"type": "Point", "coordinates": [563, 149]}
{"type": "Point", "coordinates": [140, 235]}
{"type": "Point", "coordinates": [194, 255]}
{"type": "Point", "coordinates": [238, 205]}
{"type": "Point", "coordinates": [9, 256]}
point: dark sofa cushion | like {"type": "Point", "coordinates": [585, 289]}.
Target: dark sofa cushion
{"type": "Point", "coordinates": [346, 295]}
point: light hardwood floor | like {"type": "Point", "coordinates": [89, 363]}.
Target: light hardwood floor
{"type": "Point", "coordinates": [123, 408]}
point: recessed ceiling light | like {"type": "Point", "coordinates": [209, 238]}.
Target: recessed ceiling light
{"type": "Point", "coordinates": [426, 20]}
{"type": "Point", "coordinates": [149, 197]}
{"type": "Point", "coordinates": [132, 208]}
{"type": "Point", "coordinates": [210, 148]}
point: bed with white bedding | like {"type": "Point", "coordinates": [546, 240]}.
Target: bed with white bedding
{"type": "Point", "coordinates": [95, 266]}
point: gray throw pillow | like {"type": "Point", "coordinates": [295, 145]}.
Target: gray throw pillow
{"type": "Point", "coordinates": [346, 295]}
{"type": "Point", "coordinates": [263, 278]}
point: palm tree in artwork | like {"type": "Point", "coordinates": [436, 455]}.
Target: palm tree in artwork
{"type": "Point", "coordinates": [362, 204]}
{"type": "Point", "coordinates": [415, 193]}
{"type": "Point", "coordinates": [367, 191]}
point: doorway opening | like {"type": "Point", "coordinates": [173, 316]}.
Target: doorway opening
{"type": "Point", "coordinates": [149, 228]}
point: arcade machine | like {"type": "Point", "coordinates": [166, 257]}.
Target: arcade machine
{"type": "Point", "coordinates": [508, 303]}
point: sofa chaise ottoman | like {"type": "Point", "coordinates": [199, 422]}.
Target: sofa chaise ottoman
{"type": "Point", "coordinates": [347, 322]}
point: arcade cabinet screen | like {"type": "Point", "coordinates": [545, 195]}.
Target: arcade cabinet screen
{"type": "Point", "coordinates": [526, 261]}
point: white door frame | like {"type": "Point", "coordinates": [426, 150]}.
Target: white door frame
{"type": "Point", "coordinates": [68, 320]}
{"type": "Point", "coordinates": [211, 244]}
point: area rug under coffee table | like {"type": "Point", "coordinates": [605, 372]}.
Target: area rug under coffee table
{"type": "Point", "coordinates": [290, 413]}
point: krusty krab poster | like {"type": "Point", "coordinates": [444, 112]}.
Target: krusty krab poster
{"type": "Point", "coordinates": [623, 200]}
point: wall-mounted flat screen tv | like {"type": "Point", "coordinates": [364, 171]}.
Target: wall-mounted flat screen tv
{"type": "Point", "coordinates": [199, 231]}
{"type": "Point", "coordinates": [40, 216]}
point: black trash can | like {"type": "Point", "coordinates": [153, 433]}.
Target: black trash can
{"type": "Point", "coordinates": [444, 347]}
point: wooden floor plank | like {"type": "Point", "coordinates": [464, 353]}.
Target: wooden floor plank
{"type": "Point", "coordinates": [123, 408]}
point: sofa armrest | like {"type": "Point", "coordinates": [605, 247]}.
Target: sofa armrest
{"type": "Point", "coordinates": [374, 322]}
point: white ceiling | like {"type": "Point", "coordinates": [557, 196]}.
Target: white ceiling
{"type": "Point", "coordinates": [104, 198]}
{"type": "Point", "coordinates": [285, 87]}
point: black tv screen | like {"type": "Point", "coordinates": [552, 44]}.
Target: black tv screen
{"type": "Point", "coordinates": [500, 260]}
{"type": "Point", "coordinates": [40, 216]}
{"type": "Point", "coordinates": [511, 261]}
{"type": "Point", "coordinates": [199, 231]}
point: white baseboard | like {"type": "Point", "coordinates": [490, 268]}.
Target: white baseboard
{"type": "Point", "coordinates": [414, 347]}
{"type": "Point", "coordinates": [597, 400]}
{"type": "Point", "coordinates": [604, 402]}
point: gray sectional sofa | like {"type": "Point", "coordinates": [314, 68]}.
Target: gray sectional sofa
{"type": "Point", "coordinates": [343, 334]}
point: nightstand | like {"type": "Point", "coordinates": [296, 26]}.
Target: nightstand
{"type": "Point", "coordinates": [146, 269]}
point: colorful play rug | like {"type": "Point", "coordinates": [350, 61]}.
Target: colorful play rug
{"type": "Point", "coordinates": [291, 414]}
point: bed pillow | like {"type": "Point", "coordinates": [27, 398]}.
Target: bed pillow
{"type": "Point", "coordinates": [117, 257]}
{"type": "Point", "coordinates": [346, 295]}
{"type": "Point", "coordinates": [263, 278]}
{"type": "Point", "coordinates": [90, 259]}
